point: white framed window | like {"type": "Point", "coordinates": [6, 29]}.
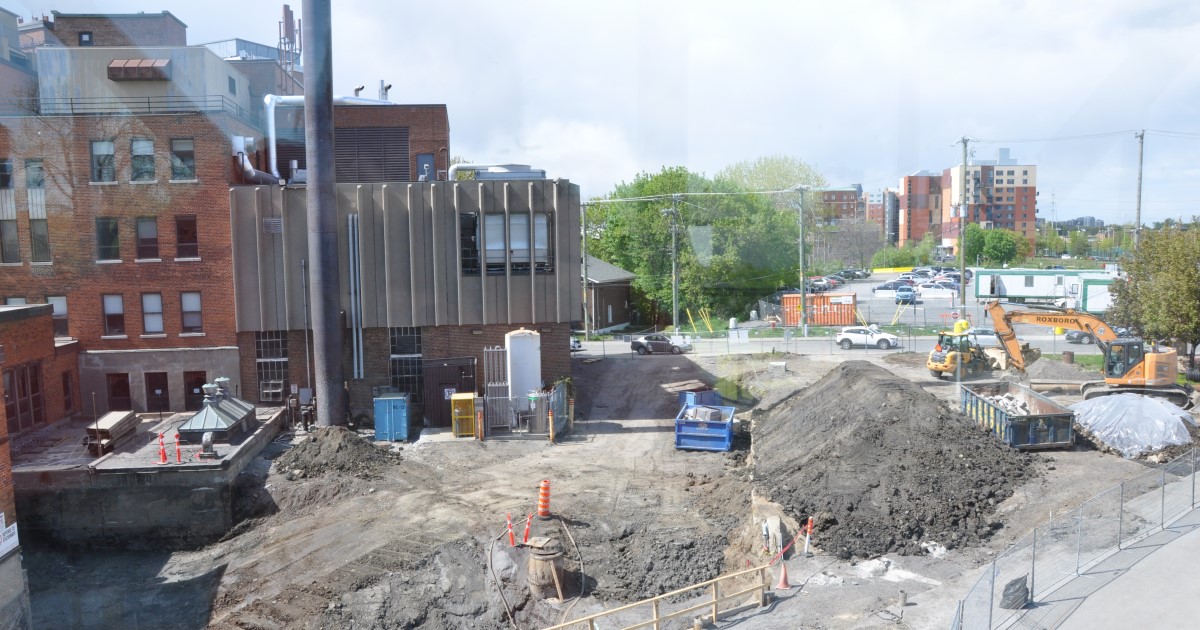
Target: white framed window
{"type": "Point", "coordinates": [142, 160]}
{"type": "Point", "coordinates": [183, 159]}
{"type": "Point", "coordinates": [152, 314]}
{"type": "Point", "coordinates": [104, 161]}
{"type": "Point", "coordinates": [114, 314]}
{"type": "Point", "coordinates": [193, 320]}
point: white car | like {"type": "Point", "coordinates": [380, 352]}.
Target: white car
{"type": "Point", "coordinates": [576, 346]}
{"type": "Point", "coordinates": [868, 337]}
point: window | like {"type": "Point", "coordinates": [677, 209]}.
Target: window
{"type": "Point", "coordinates": [142, 160]}
{"type": "Point", "coordinates": [193, 322]}
{"type": "Point", "coordinates": [104, 163]}
{"type": "Point", "coordinates": [183, 159]}
{"type": "Point", "coordinates": [59, 314]}
{"type": "Point", "coordinates": [1028, 281]}
{"type": "Point", "coordinates": [468, 227]}
{"type": "Point", "coordinates": [6, 173]}
{"type": "Point", "coordinates": [39, 239]}
{"type": "Point", "coordinates": [108, 245]}
{"type": "Point", "coordinates": [10, 244]}
{"type": "Point", "coordinates": [23, 401]}
{"type": "Point", "coordinates": [114, 315]}
{"type": "Point", "coordinates": [147, 237]}
{"type": "Point", "coordinates": [271, 359]}
{"type": "Point", "coordinates": [85, 38]}
{"type": "Point", "coordinates": [232, 86]}
{"type": "Point", "coordinates": [187, 243]}
{"type": "Point", "coordinates": [35, 174]}
{"type": "Point", "coordinates": [517, 244]}
{"type": "Point", "coordinates": [16, 301]}
{"type": "Point", "coordinates": [152, 317]}
{"type": "Point", "coordinates": [405, 363]}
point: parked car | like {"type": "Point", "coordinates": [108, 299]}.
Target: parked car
{"type": "Point", "coordinates": [867, 337]}
{"type": "Point", "coordinates": [890, 286]}
{"type": "Point", "coordinates": [820, 284]}
{"type": "Point", "coordinates": [949, 285]}
{"type": "Point", "coordinates": [906, 295]}
{"type": "Point", "coordinates": [856, 274]}
{"type": "Point", "coordinates": [835, 281]}
{"type": "Point", "coordinates": [650, 344]}
{"type": "Point", "coordinates": [576, 346]}
{"type": "Point", "coordinates": [982, 333]}
{"type": "Point", "coordinates": [1084, 337]}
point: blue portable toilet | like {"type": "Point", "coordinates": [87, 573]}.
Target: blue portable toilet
{"type": "Point", "coordinates": [391, 417]}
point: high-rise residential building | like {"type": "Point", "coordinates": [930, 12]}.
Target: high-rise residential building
{"type": "Point", "coordinates": [1000, 193]}
{"type": "Point", "coordinates": [918, 207]}
{"type": "Point", "coordinates": [883, 210]}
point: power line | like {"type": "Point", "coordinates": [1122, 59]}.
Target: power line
{"type": "Point", "coordinates": [1105, 134]}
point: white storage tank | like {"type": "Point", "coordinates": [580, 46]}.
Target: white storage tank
{"type": "Point", "coordinates": [524, 364]}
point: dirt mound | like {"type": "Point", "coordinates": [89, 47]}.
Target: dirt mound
{"type": "Point", "coordinates": [882, 464]}
{"type": "Point", "coordinates": [335, 449]}
{"type": "Point", "coordinates": [1054, 370]}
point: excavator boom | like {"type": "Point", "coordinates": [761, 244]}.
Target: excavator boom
{"type": "Point", "coordinates": [1003, 320]}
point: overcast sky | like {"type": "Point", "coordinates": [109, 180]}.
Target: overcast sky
{"type": "Point", "coordinates": [865, 91]}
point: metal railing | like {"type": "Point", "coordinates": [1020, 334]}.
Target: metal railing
{"type": "Point", "coordinates": [1072, 543]}
{"type": "Point", "coordinates": [125, 105]}
{"type": "Point", "coordinates": [659, 609]}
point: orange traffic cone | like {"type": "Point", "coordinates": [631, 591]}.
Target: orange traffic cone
{"type": "Point", "coordinates": [783, 581]}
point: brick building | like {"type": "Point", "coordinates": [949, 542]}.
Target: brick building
{"type": "Point", "coordinates": [40, 382]}
{"type": "Point", "coordinates": [918, 207]}
{"type": "Point", "coordinates": [1000, 194]}
{"type": "Point", "coordinates": [843, 204]}
{"type": "Point", "coordinates": [119, 30]}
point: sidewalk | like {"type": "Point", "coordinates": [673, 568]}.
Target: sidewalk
{"type": "Point", "coordinates": [1133, 588]}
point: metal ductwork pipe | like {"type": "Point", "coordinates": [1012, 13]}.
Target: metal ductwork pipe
{"type": "Point", "coordinates": [271, 101]}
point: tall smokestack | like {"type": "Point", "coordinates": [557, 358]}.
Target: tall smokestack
{"type": "Point", "coordinates": [322, 212]}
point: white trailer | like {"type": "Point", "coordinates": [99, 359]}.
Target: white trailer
{"type": "Point", "coordinates": [1059, 287]}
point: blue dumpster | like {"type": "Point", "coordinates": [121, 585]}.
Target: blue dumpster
{"type": "Point", "coordinates": [704, 428]}
{"type": "Point", "coordinates": [700, 396]}
{"type": "Point", "coordinates": [391, 417]}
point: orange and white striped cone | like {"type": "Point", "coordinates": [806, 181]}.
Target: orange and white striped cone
{"type": "Point", "coordinates": [783, 584]}
{"type": "Point", "coordinates": [543, 510]}
{"type": "Point", "coordinates": [808, 535]}
{"type": "Point", "coordinates": [162, 450]}
{"type": "Point", "coordinates": [512, 539]}
{"type": "Point", "coordinates": [528, 522]}
{"type": "Point", "coordinates": [178, 451]}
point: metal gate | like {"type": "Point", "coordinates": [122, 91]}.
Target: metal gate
{"type": "Point", "coordinates": [498, 409]}
{"type": "Point", "coordinates": [443, 378]}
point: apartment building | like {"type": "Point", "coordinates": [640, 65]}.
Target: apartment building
{"type": "Point", "coordinates": [918, 208]}
{"type": "Point", "coordinates": [1000, 193]}
{"type": "Point", "coordinates": [843, 204]}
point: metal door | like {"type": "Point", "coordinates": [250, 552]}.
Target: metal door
{"type": "Point", "coordinates": [443, 378]}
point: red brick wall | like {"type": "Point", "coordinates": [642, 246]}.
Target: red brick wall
{"type": "Point", "coordinates": [122, 30]}
{"type": "Point", "coordinates": [25, 340]}
{"type": "Point", "coordinates": [444, 342]}
{"type": "Point", "coordinates": [73, 204]}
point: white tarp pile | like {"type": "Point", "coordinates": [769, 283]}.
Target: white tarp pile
{"type": "Point", "coordinates": [1133, 424]}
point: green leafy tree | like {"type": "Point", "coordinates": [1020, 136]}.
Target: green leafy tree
{"type": "Point", "coordinates": [1078, 244]}
{"type": "Point", "coordinates": [1160, 294]}
{"type": "Point", "coordinates": [973, 242]}
{"type": "Point", "coordinates": [891, 256]}
{"type": "Point", "coordinates": [1000, 246]}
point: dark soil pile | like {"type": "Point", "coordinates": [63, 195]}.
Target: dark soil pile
{"type": "Point", "coordinates": [882, 465]}
{"type": "Point", "coordinates": [335, 449]}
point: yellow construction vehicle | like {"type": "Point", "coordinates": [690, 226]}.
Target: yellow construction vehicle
{"type": "Point", "coordinates": [956, 351]}
{"type": "Point", "coordinates": [1128, 365]}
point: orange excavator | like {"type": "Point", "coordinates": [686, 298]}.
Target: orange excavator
{"type": "Point", "coordinates": [1128, 365]}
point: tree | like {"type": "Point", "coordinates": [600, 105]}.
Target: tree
{"type": "Point", "coordinates": [1078, 244]}
{"type": "Point", "coordinates": [1160, 294]}
{"type": "Point", "coordinates": [891, 256]}
{"type": "Point", "coordinates": [463, 175]}
{"type": "Point", "coordinates": [772, 172]}
{"type": "Point", "coordinates": [973, 242]}
{"type": "Point", "coordinates": [1000, 246]}
{"type": "Point", "coordinates": [732, 249]}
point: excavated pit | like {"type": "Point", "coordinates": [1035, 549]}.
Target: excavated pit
{"type": "Point", "coordinates": [882, 465]}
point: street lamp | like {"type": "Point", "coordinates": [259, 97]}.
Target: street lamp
{"type": "Point", "coordinates": [673, 212]}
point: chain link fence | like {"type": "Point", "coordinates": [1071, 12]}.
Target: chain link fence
{"type": "Point", "coordinates": [1023, 576]}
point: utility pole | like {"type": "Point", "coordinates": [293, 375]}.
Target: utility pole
{"type": "Point", "coordinates": [674, 262]}
{"type": "Point", "coordinates": [962, 228]}
{"type": "Point", "coordinates": [1137, 226]}
{"type": "Point", "coordinates": [803, 288]}
{"type": "Point", "coordinates": [583, 242]}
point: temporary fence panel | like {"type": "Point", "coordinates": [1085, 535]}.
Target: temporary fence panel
{"type": "Point", "coordinates": [498, 409]}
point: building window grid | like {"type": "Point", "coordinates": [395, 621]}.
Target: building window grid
{"type": "Point", "coordinates": [58, 314]}
{"type": "Point", "coordinates": [104, 161]}
{"type": "Point", "coordinates": [191, 312]}
{"type": "Point", "coordinates": [183, 159]}
{"type": "Point", "coordinates": [114, 314]}
{"type": "Point", "coordinates": [35, 174]}
{"type": "Point", "coordinates": [10, 243]}
{"type": "Point", "coordinates": [187, 238]}
{"type": "Point", "coordinates": [405, 361]}
{"type": "Point", "coordinates": [6, 173]}
{"type": "Point", "coordinates": [152, 314]}
{"type": "Point", "coordinates": [271, 364]}
{"type": "Point", "coordinates": [108, 243]}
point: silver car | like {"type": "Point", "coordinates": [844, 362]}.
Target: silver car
{"type": "Point", "coordinates": [656, 343]}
